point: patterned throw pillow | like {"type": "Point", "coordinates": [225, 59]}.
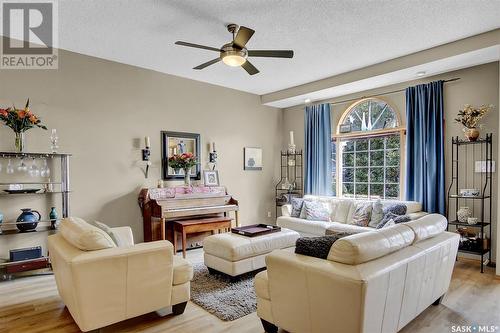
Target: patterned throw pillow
{"type": "Point", "coordinates": [297, 204]}
{"type": "Point", "coordinates": [395, 219]}
{"type": "Point", "coordinates": [377, 214]}
{"type": "Point", "coordinates": [362, 214]}
{"type": "Point", "coordinates": [398, 209]}
{"type": "Point", "coordinates": [387, 217]}
{"type": "Point", "coordinates": [316, 211]}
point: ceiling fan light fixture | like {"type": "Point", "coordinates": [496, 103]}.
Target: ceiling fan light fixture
{"type": "Point", "coordinates": [233, 60]}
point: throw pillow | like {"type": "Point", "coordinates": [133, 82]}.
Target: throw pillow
{"type": "Point", "coordinates": [318, 247]}
{"type": "Point", "coordinates": [396, 219]}
{"type": "Point", "coordinates": [316, 211]}
{"type": "Point", "coordinates": [362, 213]}
{"type": "Point", "coordinates": [85, 236]}
{"type": "Point", "coordinates": [402, 219]}
{"type": "Point", "coordinates": [387, 217]}
{"type": "Point", "coordinates": [297, 204]}
{"type": "Point", "coordinates": [377, 214]}
{"type": "Point", "coordinates": [397, 208]}
{"type": "Point", "coordinates": [114, 236]}
{"type": "Point", "coordinates": [389, 223]}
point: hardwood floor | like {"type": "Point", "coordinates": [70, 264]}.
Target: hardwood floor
{"type": "Point", "coordinates": [32, 305]}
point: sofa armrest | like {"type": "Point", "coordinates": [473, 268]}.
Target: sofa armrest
{"type": "Point", "coordinates": [115, 279]}
{"type": "Point", "coordinates": [286, 210]}
{"type": "Point", "coordinates": [305, 290]}
{"type": "Point", "coordinates": [125, 235]}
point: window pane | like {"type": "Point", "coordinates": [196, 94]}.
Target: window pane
{"type": "Point", "coordinates": [368, 115]}
{"type": "Point", "coordinates": [392, 141]}
{"type": "Point", "coordinates": [362, 159]}
{"type": "Point", "coordinates": [362, 175]}
{"type": "Point", "coordinates": [392, 175]}
{"type": "Point", "coordinates": [348, 159]}
{"type": "Point", "coordinates": [349, 146]}
{"type": "Point", "coordinates": [348, 175]}
{"type": "Point", "coordinates": [377, 190]}
{"type": "Point", "coordinates": [376, 143]}
{"type": "Point", "coordinates": [348, 189]}
{"type": "Point", "coordinates": [377, 158]}
{"type": "Point", "coordinates": [392, 157]}
{"type": "Point", "coordinates": [361, 190]}
{"type": "Point", "coordinates": [361, 144]}
{"type": "Point", "coordinates": [376, 175]}
{"type": "Point", "coordinates": [392, 191]}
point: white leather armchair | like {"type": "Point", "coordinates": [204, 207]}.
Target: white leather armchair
{"type": "Point", "coordinates": [371, 282]}
{"type": "Point", "coordinates": [106, 286]}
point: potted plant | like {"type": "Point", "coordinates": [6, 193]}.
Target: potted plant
{"type": "Point", "coordinates": [20, 120]}
{"type": "Point", "coordinates": [184, 161]}
{"type": "Point", "coordinates": [469, 117]}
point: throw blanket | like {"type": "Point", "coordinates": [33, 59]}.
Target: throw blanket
{"type": "Point", "coordinates": [318, 247]}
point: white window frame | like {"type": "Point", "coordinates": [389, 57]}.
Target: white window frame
{"type": "Point", "coordinates": [399, 129]}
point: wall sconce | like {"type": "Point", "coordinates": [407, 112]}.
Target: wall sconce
{"type": "Point", "coordinates": [212, 156]}
{"type": "Point", "coordinates": [146, 152]}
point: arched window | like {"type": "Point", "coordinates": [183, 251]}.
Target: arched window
{"type": "Point", "coordinates": [368, 144]}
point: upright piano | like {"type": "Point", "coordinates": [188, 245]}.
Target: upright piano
{"type": "Point", "coordinates": [161, 206]}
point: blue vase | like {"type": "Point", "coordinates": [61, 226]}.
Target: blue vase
{"type": "Point", "coordinates": [53, 218]}
{"type": "Point", "coordinates": [29, 219]}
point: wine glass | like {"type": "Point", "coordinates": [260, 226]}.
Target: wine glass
{"type": "Point", "coordinates": [33, 170]}
{"type": "Point", "coordinates": [44, 170]}
{"type": "Point", "coordinates": [10, 167]}
{"type": "Point", "coordinates": [22, 167]}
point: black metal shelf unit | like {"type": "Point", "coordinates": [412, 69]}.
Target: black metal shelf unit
{"type": "Point", "coordinates": [465, 156]}
{"type": "Point", "coordinates": [291, 182]}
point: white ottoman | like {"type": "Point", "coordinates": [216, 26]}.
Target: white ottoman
{"type": "Point", "coordinates": [235, 254]}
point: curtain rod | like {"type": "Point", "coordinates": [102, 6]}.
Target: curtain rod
{"type": "Point", "coordinates": [384, 93]}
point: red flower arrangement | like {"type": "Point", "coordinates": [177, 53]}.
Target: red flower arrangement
{"type": "Point", "coordinates": [183, 161]}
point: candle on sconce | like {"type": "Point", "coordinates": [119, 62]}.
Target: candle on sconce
{"type": "Point", "coordinates": [291, 138]}
{"type": "Point", "coordinates": [147, 141]}
{"type": "Point", "coordinates": [213, 146]}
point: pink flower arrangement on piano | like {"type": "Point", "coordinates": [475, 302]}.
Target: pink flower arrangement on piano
{"type": "Point", "coordinates": [184, 161]}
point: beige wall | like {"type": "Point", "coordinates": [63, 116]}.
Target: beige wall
{"type": "Point", "coordinates": [103, 109]}
{"type": "Point", "coordinates": [477, 85]}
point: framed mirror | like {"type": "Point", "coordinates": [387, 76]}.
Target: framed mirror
{"type": "Point", "coordinates": [177, 143]}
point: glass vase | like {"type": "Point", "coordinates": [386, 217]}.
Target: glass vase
{"type": "Point", "coordinates": [187, 178]}
{"type": "Point", "coordinates": [20, 142]}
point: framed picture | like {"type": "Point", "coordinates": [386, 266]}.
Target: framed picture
{"type": "Point", "coordinates": [252, 158]}
{"type": "Point", "coordinates": [176, 143]}
{"type": "Point", "coordinates": [211, 177]}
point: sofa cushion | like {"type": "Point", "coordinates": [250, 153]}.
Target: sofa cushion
{"type": "Point", "coordinates": [366, 246]}
{"type": "Point", "coordinates": [341, 210]}
{"type": "Point", "coordinates": [85, 236]}
{"type": "Point", "coordinates": [428, 226]}
{"type": "Point", "coordinates": [183, 271]}
{"type": "Point", "coordinates": [335, 227]}
{"type": "Point", "coordinates": [316, 211]}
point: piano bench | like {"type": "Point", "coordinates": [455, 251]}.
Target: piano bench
{"type": "Point", "coordinates": [185, 227]}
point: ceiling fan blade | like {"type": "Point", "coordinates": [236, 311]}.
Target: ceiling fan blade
{"type": "Point", "coordinates": [250, 68]}
{"type": "Point", "coordinates": [197, 46]}
{"type": "Point", "coordinates": [271, 53]}
{"type": "Point", "coordinates": [243, 36]}
{"type": "Point", "coordinates": [208, 63]}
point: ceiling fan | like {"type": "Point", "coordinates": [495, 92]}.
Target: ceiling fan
{"type": "Point", "coordinates": [235, 52]}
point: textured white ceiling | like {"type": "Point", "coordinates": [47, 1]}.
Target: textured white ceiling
{"type": "Point", "coordinates": [328, 37]}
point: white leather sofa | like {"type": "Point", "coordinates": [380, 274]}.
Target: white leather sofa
{"type": "Point", "coordinates": [341, 210]}
{"type": "Point", "coordinates": [102, 287]}
{"type": "Point", "coordinates": [372, 282]}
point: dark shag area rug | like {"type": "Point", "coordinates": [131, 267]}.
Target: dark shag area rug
{"type": "Point", "coordinates": [223, 297]}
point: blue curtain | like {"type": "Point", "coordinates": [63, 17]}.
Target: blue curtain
{"type": "Point", "coordinates": [318, 150]}
{"type": "Point", "coordinates": [425, 146]}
